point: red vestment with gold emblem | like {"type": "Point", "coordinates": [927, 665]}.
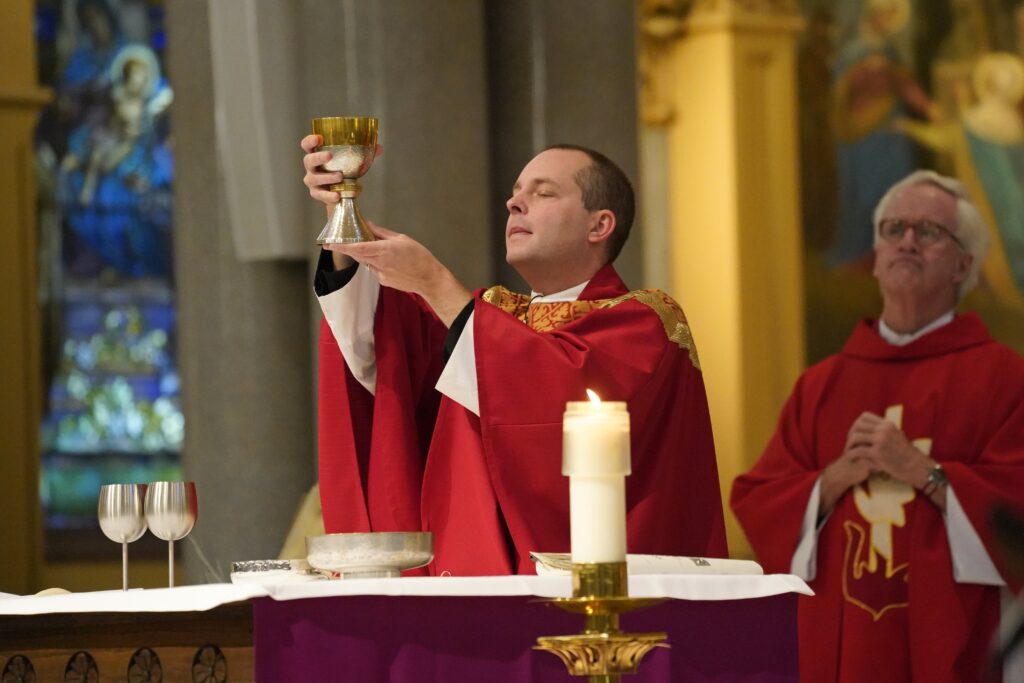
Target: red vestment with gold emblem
{"type": "Point", "coordinates": [886, 605]}
{"type": "Point", "coordinates": [491, 487]}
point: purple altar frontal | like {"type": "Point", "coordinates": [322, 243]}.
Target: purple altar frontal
{"type": "Point", "coordinates": [478, 638]}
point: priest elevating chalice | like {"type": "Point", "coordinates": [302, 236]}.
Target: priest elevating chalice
{"type": "Point", "coordinates": [352, 140]}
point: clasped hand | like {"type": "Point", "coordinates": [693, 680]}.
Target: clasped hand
{"type": "Point", "coordinates": [883, 447]}
{"type": "Point", "coordinates": [873, 445]}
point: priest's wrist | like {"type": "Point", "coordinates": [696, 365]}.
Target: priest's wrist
{"type": "Point", "coordinates": [933, 482]}
{"type": "Point", "coordinates": [446, 295]}
{"type": "Point", "coordinates": [833, 487]}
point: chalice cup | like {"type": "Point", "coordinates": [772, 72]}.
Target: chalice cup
{"type": "Point", "coordinates": [122, 519]}
{"type": "Point", "coordinates": [352, 140]}
{"type": "Point", "coordinates": [171, 511]}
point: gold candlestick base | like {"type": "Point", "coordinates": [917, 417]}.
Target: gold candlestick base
{"type": "Point", "coordinates": [602, 656]}
{"type": "Point", "coordinates": [602, 651]}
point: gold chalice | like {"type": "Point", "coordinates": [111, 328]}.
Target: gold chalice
{"type": "Point", "coordinates": [353, 142]}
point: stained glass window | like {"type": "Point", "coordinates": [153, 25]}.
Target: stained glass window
{"type": "Point", "coordinates": [105, 169]}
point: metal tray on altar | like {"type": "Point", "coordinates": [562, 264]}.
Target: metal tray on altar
{"type": "Point", "coordinates": [370, 555]}
{"type": "Point", "coordinates": [274, 572]}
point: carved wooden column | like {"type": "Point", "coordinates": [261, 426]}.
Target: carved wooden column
{"type": "Point", "coordinates": [719, 88]}
{"type": "Point", "coordinates": [21, 98]}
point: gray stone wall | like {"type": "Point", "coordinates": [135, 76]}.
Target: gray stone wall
{"type": "Point", "coordinates": [561, 72]}
{"type": "Point", "coordinates": [244, 348]}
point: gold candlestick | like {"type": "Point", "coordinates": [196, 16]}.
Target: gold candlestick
{"type": "Point", "coordinates": [602, 652]}
{"type": "Point", "coordinates": [353, 142]}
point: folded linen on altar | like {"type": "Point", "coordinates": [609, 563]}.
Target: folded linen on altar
{"type": "Point", "coordinates": [561, 563]}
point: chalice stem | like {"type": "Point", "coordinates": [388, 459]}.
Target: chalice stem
{"type": "Point", "coordinates": [170, 564]}
{"type": "Point", "coordinates": [605, 678]}
{"type": "Point", "coordinates": [124, 566]}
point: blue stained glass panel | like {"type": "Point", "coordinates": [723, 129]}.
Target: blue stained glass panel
{"type": "Point", "coordinates": [106, 170]}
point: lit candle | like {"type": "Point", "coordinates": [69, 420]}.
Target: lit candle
{"type": "Point", "coordinates": [595, 457]}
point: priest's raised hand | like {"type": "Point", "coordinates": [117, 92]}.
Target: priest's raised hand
{"type": "Point", "coordinates": [317, 178]}
{"type": "Point", "coordinates": [400, 262]}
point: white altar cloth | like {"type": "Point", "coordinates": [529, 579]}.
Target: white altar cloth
{"type": "Point", "coordinates": [207, 596]}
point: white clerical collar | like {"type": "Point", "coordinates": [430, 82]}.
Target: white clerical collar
{"type": "Point", "coordinates": [897, 339]}
{"type": "Point", "coordinates": [570, 294]}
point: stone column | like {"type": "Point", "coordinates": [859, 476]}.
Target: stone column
{"type": "Point", "coordinates": [419, 68]}
{"type": "Point", "coordinates": [243, 340]}
{"type": "Point", "coordinates": [720, 86]}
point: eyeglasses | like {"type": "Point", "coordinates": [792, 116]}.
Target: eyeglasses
{"type": "Point", "coordinates": [926, 232]}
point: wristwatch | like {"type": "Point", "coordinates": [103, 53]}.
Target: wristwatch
{"type": "Point", "coordinates": [936, 480]}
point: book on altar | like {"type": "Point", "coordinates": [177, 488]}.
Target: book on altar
{"type": "Point", "coordinates": [561, 563]}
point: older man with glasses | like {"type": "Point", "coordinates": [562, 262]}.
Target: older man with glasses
{"type": "Point", "coordinates": [878, 483]}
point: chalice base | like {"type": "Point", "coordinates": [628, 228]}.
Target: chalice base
{"type": "Point", "coordinates": [346, 224]}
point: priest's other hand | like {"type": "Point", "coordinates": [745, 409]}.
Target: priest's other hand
{"type": "Point", "coordinates": [886, 448]}
{"type": "Point", "coordinates": [845, 472]}
{"type": "Point", "coordinates": [317, 179]}
{"type": "Point", "coordinates": [400, 262]}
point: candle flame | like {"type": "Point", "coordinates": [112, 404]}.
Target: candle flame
{"type": "Point", "coordinates": [594, 398]}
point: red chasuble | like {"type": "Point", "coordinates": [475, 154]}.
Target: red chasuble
{"type": "Point", "coordinates": [887, 607]}
{"type": "Point", "coordinates": [492, 487]}
{"type": "Point", "coordinates": [372, 447]}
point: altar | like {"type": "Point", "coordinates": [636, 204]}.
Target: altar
{"type": "Point", "coordinates": [735, 628]}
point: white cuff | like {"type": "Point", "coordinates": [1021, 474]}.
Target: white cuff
{"type": "Point", "coordinates": [350, 313]}
{"type": "Point", "coordinates": [458, 379]}
{"type": "Point", "coordinates": [805, 558]}
{"type": "Point", "coordinates": [971, 562]}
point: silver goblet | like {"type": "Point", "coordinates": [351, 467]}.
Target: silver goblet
{"type": "Point", "coordinates": [171, 511]}
{"type": "Point", "coordinates": [121, 516]}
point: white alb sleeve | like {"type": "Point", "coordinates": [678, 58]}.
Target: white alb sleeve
{"type": "Point", "coordinates": [971, 562]}
{"type": "Point", "coordinates": [805, 558]}
{"type": "Point", "coordinates": [350, 312]}
{"type": "Point", "coordinates": [458, 380]}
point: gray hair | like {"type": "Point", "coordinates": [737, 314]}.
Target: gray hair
{"type": "Point", "coordinates": [970, 227]}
